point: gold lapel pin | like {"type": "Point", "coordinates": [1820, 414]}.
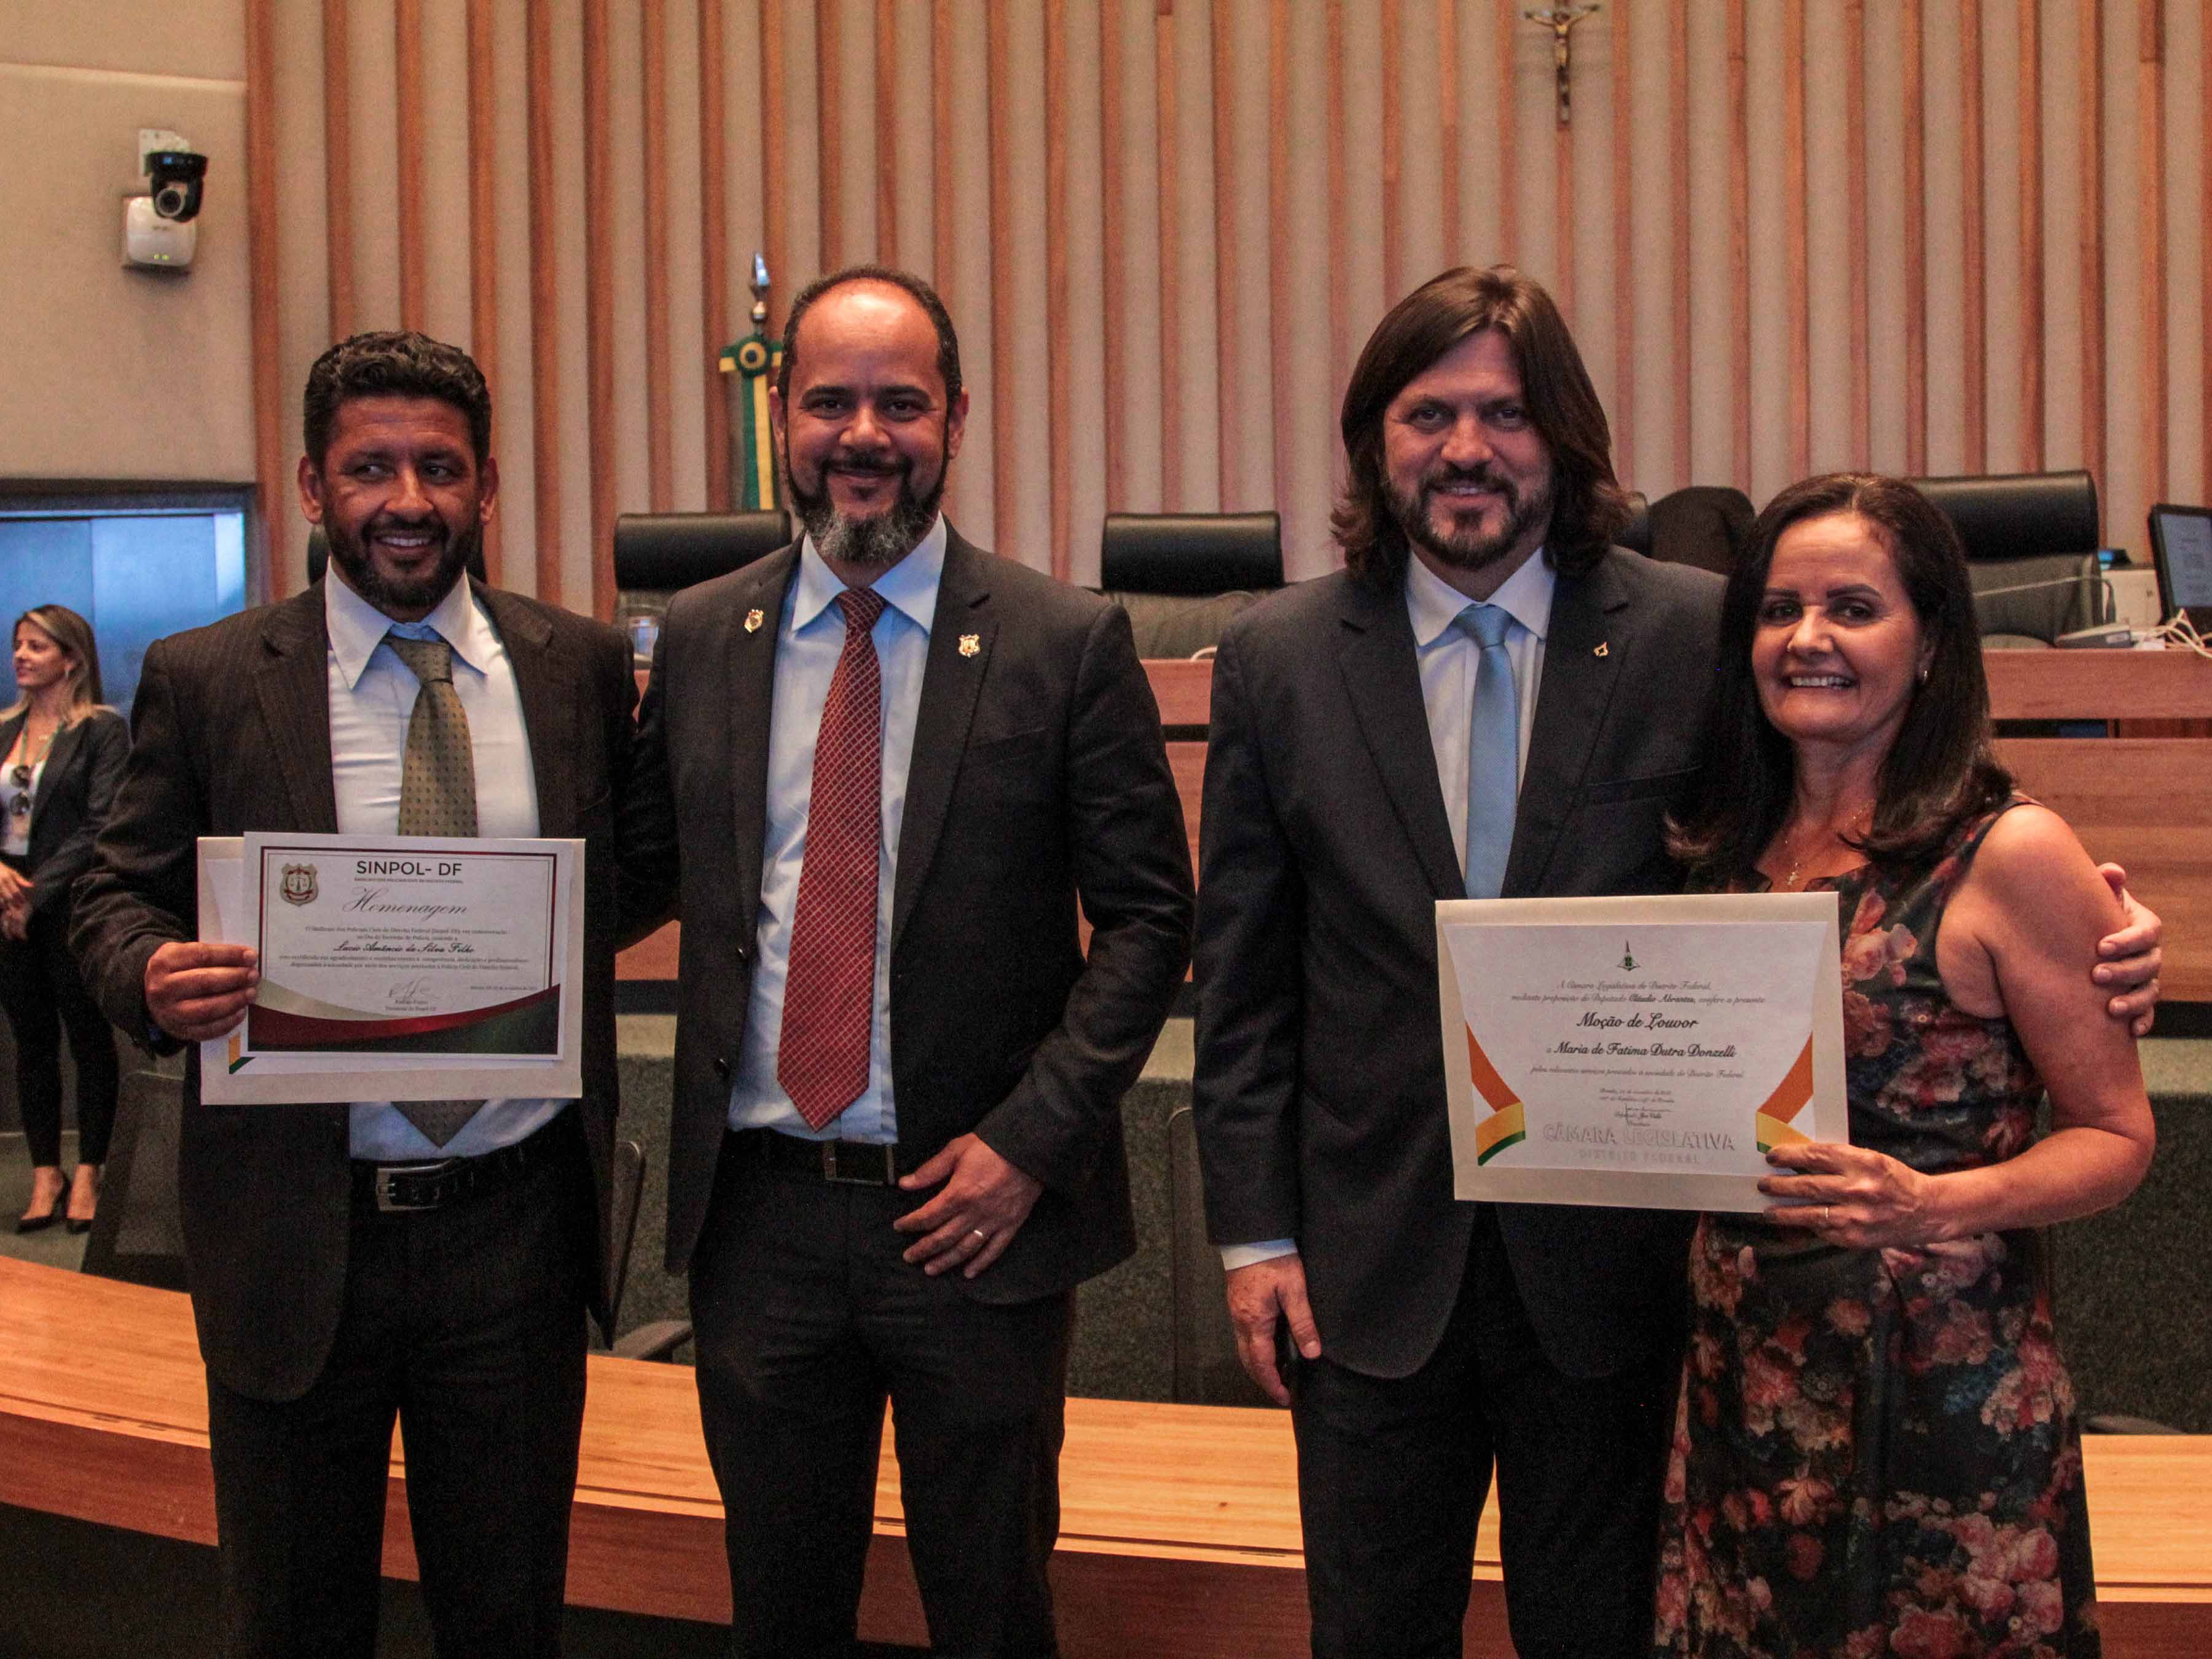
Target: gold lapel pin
{"type": "Point", "coordinates": [970, 644]}
{"type": "Point", "coordinates": [1601, 650]}
{"type": "Point", "coordinates": [753, 620]}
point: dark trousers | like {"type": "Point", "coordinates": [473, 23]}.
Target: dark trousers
{"type": "Point", "coordinates": [467, 1323]}
{"type": "Point", "coordinates": [806, 1320]}
{"type": "Point", "coordinates": [43, 996]}
{"type": "Point", "coordinates": [1392, 1475]}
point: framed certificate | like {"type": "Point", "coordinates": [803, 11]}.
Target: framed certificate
{"type": "Point", "coordinates": [1638, 1051]}
{"type": "Point", "coordinates": [398, 968]}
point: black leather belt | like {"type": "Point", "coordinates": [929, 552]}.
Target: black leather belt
{"type": "Point", "coordinates": [400, 1187]}
{"type": "Point", "coordinates": [850, 1162]}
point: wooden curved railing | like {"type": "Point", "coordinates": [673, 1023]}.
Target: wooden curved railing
{"type": "Point", "coordinates": [1179, 1533]}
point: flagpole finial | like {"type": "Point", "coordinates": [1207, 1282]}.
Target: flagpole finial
{"type": "Point", "coordinates": [760, 290]}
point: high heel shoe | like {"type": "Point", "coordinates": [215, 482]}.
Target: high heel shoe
{"type": "Point", "coordinates": [73, 1224]}
{"type": "Point", "coordinates": [39, 1224]}
{"type": "Point", "coordinates": [54, 1211]}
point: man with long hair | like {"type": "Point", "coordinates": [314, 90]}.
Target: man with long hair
{"type": "Point", "coordinates": [1490, 700]}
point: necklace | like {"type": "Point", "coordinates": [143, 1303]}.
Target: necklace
{"type": "Point", "coordinates": [23, 741]}
{"type": "Point", "coordinates": [1829, 834]}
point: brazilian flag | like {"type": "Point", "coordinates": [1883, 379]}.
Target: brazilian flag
{"type": "Point", "coordinates": [754, 360]}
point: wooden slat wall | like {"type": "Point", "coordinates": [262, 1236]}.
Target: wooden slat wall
{"type": "Point", "coordinates": [2090, 216]}
{"type": "Point", "coordinates": [407, 91]}
{"type": "Point", "coordinates": [714, 246]}
{"type": "Point", "coordinates": [2150, 230]}
{"type": "Point", "coordinates": [337, 167]}
{"type": "Point", "coordinates": [1913, 119]}
{"type": "Point", "coordinates": [659, 408]}
{"type": "Point", "coordinates": [483, 235]}
{"type": "Point", "coordinates": [269, 472]}
{"type": "Point", "coordinates": [743, 125]}
{"type": "Point", "coordinates": [2031, 431]}
{"type": "Point", "coordinates": [1973, 272]}
{"type": "Point", "coordinates": [1624, 258]}
{"type": "Point", "coordinates": [1796, 236]}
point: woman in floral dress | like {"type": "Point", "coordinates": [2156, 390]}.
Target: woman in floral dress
{"type": "Point", "coordinates": [1875, 1452]}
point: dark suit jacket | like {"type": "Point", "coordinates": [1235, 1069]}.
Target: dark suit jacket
{"type": "Point", "coordinates": [1038, 778]}
{"type": "Point", "coordinates": [1320, 1077]}
{"type": "Point", "coordinates": [231, 732]}
{"type": "Point", "coordinates": [75, 790]}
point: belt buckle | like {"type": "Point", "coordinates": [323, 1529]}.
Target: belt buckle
{"type": "Point", "coordinates": [390, 1203]}
{"type": "Point", "coordinates": [887, 1176]}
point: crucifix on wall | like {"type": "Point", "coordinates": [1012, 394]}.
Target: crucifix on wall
{"type": "Point", "coordinates": [1561, 20]}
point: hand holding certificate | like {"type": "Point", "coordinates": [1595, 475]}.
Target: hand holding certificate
{"type": "Point", "coordinates": [398, 967]}
{"type": "Point", "coordinates": [1638, 1051]}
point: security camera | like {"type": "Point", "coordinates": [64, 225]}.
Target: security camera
{"type": "Point", "coordinates": [158, 232]}
{"type": "Point", "coordinates": [176, 175]}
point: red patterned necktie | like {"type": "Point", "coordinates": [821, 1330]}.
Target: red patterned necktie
{"type": "Point", "coordinates": [829, 994]}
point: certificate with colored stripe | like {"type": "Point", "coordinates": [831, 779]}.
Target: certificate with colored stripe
{"type": "Point", "coordinates": [398, 967]}
{"type": "Point", "coordinates": [1638, 1051]}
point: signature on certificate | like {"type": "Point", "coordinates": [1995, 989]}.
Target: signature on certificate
{"type": "Point", "coordinates": [410, 993]}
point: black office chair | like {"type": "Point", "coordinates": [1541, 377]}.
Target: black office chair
{"type": "Point", "coordinates": [1181, 576]}
{"type": "Point", "coordinates": [2031, 541]}
{"type": "Point", "coordinates": [660, 553]}
{"type": "Point", "coordinates": [319, 557]}
{"type": "Point", "coordinates": [1703, 525]}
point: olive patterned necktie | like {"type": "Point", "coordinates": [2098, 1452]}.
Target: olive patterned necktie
{"type": "Point", "coordinates": [437, 797]}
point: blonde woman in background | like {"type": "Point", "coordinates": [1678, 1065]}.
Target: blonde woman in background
{"type": "Point", "coordinates": [63, 756]}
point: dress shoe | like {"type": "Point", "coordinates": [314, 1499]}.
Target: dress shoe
{"type": "Point", "coordinates": [39, 1224]}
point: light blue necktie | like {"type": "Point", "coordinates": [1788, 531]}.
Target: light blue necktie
{"type": "Point", "coordinates": [1493, 743]}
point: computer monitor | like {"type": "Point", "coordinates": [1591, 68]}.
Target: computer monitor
{"type": "Point", "coordinates": [2181, 543]}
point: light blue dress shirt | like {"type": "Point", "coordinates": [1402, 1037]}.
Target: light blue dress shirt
{"type": "Point", "coordinates": [1446, 659]}
{"type": "Point", "coordinates": [810, 638]}
{"type": "Point", "coordinates": [371, 698]}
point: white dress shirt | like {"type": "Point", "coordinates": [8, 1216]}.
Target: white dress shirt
{"type": "Point", "coordinates": [810, 638]}
{"type": "Point", "coordinates": [372, 697]}
{"type": "Point", "coordinates": [1446, 658]}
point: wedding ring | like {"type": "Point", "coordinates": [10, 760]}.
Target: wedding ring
{"type": "Point", "coordinates": [1827, 1214]}
{"type": "Point", "coordinates": [977, 1232]}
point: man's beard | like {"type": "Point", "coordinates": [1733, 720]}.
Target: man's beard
{"type": "Point", "coordinates": [351, 554]}
{"type": "Point", "coordinates": [880, 539]}
{"type": "Point", "coordinates": [1470, 549]}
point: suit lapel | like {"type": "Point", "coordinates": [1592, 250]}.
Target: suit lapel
{"type": "Point", "coordinates": [951, 682]}
{"type": "Point", "coordinates": [1376, 655]}
{"type": "Point", "coordinates": [58, 757]}
{"type": "Point", "coordinates": [549, 709]}
{"type": "Point", "coordinates": [745, 697]}
{"type": "Point", "coordinates": [1582, 657]}
{"type": "Point", "coordinates": [292, 684]}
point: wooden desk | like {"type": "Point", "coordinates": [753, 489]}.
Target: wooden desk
{"type": "Point", "coordinates": [1179, 1523]}
{"type": "Point", "coordinates": [2141, 801]}
{"type": "Point", "coordinates": [2144, 801]}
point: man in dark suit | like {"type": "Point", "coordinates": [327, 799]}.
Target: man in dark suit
{"type": "Point", "coordinates": [348, 1263]}
{"type": "Point", "coordinates": [890, 767]}
{"type": "Point", "coordinates": [1378, 744]}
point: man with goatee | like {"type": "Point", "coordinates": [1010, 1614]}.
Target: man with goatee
{"type": "Point", "coordinates": [887, 768]}
{"type": "Point", "coordinates": [428, 1259]}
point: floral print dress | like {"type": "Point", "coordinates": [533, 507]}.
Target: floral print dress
{"type": "Point", "coordinates": [1875, 1450]}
